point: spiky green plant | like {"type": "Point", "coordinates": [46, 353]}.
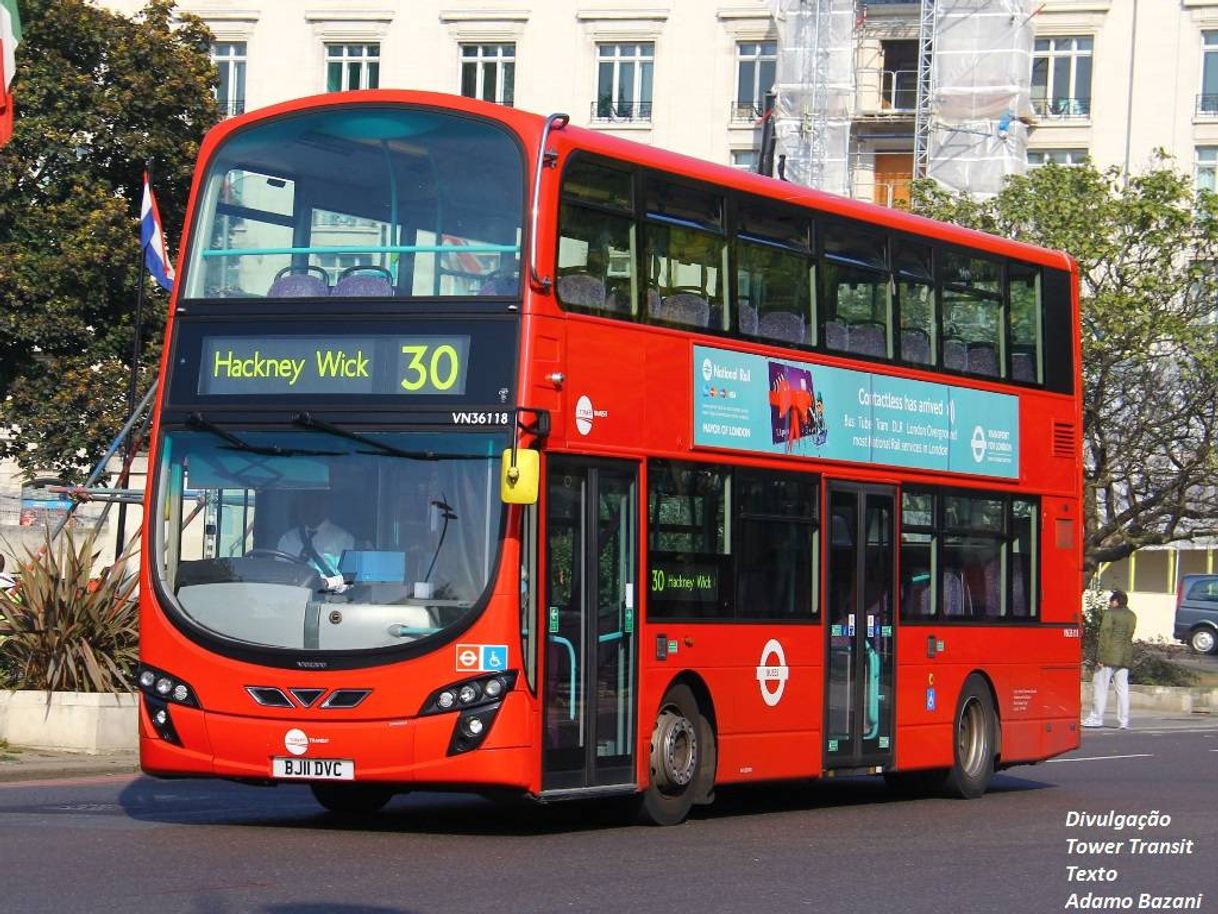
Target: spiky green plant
{"type": "Point", "coordinates": [66, 628]}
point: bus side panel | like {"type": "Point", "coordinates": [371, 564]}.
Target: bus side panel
{"type": "Point", "coordinates": [1037, 699]}
{"type": "Point", "coordinates": [755, 740]}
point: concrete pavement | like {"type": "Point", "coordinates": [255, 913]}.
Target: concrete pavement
{"type": "Point", "coordinates": [18, 764]}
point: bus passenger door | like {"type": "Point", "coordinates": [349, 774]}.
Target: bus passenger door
{"type": "Point", "coordinates": [588, 689]}
{"type": "Point", "coordinates": [860, 641]}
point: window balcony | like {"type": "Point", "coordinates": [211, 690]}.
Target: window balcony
{"type": "Point", "coordinates": [746, 112]}
{"type": "Point", "coordinates": [605, 110]}
{"type": "Point", "coordinates": [231, 107]}
{"type": "Point", "coordinates": [1062, 108]}
{"type": "Point", "coordinates": [899, 90]}
{"type": "Point", "coordinates": [1207, 105]}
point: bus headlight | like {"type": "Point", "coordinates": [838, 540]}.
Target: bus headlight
{"type": "Point", "coordinates": [472, 728]}
{"type": "Point", "coordinates": [469, 694]}
{"type": "Point", "coordinates": [166, 687]}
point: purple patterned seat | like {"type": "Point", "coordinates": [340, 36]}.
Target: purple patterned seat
{"type": "Point", "coordinates": [1023, 365]}
{"type": "Point", "coordinates": [955, 354]}
{"type": "Point", "coordinates": [836, 335]}
{"type": "Point", "coordinates": [502, 283]}
{"type": "Point", "coordinates": [981, 359]}
{"type": "Point", "coordinates": [300, 282]}
{"type": "Point", "coordinates": [869, 338]}
{"type": "Point", "coordinates": [956, 598]}
{"type": "Point", "coordinates": [783, 325]}
{"type": "Point", "coordinates": [915, 346]}
{"type": "Point", "coordinates": [747, 316]}
{"type": "Point", "coordinates": [364, 282]}
{"type": "Point", "coordinates": [582, 290]}
{"type": "Point", "coordinates": [685, 308]}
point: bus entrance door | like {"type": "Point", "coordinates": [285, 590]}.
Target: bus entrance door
{"type": "Point", "coordinates": [860, 640]}
{"type": "Point", "coordinates": [590, 624]}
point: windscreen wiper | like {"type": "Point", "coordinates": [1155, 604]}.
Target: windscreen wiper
{"type": "Point", "coordinates": [308, 420]}
{"type": "Point", "coordinates": [199, 421]}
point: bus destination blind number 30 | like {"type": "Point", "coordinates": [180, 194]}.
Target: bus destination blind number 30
{"type": "Point", "coordinates": [377, 365]}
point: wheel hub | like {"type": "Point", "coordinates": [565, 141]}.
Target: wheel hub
{"type": "Point", "coordinates": [678, 751]}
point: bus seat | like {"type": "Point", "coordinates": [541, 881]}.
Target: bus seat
{"type": "Point", "coordinates": [868, 338]}
{"type": "Point", "coordinates": [747, 316]}
{"type": "Point", "coordinates": [685, 308]}
{"type": "Point", "coordinates": [1019, 593]}
{"type": "Point", "coordinates": [653, 301]}
{"type": "Point", "coordinates": [915, 345]}
{"type": "Point", "coordinates": [955, 595]}
{"type": "Point", "coordinates": [992, 576]}
{"type": "Point", "coordinates": [582, 290]}
{"type": "Point", "coordinates": [955, 354]}
{"type": "Point", "coordinates": [981, 359]}
{"type": "Point", "coordinates": [783, 325]}
{"type": "Point", "coordinates": [1023, 365]}
{"type": "Point", "coordinates": [300, 282]}
{"type": "Point", "coordinates": [836, 335]}
{"type": "Point", "coordinates": [365, 281]}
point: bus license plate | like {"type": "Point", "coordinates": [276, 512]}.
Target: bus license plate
{"type": "Point", "coordinates": [315, 769]}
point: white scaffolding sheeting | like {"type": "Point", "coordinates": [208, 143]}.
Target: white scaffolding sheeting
{"type": "Point", "coordinates": [814, 90]}
{"type": "Point", "coordinates": [981, 93]}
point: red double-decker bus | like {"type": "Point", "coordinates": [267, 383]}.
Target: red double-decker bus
{"type": "Point", "coordinates": [493, 453]}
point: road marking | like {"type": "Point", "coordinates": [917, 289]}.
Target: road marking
{"type": "Point", "coordinates": [1100, 758]}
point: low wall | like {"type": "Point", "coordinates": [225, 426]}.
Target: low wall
{"type": "Point", "coordinates": [75, 721]}
{"type": "Point", "coordinates": [1163, 699]}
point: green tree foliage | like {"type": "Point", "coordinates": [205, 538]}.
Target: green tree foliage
{"type": "Point", "coordinates": [97, 96]}
{"type": "Point", "coordinates": [1147, 251]}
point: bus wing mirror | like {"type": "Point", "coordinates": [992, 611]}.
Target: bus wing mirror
{"type": "Point", "coordinates": [520, 476]}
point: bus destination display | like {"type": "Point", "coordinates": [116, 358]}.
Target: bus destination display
{"type": "Point", "coordinates": [433, 365]}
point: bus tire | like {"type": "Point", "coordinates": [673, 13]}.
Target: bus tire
{"type": "Point", "coordinates": [676, 760]}
{"type": "Point", "coordinates": [974, 742]}
{"type": "Point", "coordinates": [352, 799]}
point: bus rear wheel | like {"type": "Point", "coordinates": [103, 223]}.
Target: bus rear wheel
{"type": "Point", "coordinates": [681, 745]}
{"type": "Point", "coordinates": [352, 799]}
{"type": "Point", "coordinates": [975, 743]}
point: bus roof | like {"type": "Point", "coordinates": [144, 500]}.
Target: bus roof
{"type": "Point", "coordinates": [529, 126]}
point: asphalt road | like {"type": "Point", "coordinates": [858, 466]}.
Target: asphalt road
{"type": "Point", "coordinates": [132, 844]}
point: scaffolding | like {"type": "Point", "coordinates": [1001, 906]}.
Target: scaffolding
{"type": "Point", "coordinates": [980, 93]}
{"type": "Point", "coordinates": [814, 91]}
{"type": "Point", "coordinates": [973, 100]}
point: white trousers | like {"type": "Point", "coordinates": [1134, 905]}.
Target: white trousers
{"type": "Point", "coordinates": [1119, 676]}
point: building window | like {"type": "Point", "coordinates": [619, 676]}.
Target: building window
{"type": "Point", "coordinates": [229, 58]}
{"type": "Point", "coordinates": [352, 66]}
{"type": "Point", "coordinates": [488, 72]}
{"type": "Point", "coordinates": [1039, 157]}
{"type": "Point", "coordinates": [745, 159]}
{"type": "Point", "coordinates": [755, 63]}
{"type": "Point", "coordinates": [624, 74]}
{"type": "Point", "coordinates": [1061, 77]}
{"type": "Point", "coordinates": [1205, 168]}
{"type": "Point", "coordinates": [1207, 101]}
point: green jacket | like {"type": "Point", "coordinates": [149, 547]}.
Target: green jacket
{"type": "Point", "coordinates": [1116, 637]}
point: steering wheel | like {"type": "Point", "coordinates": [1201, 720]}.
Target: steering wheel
{"type": "Point", "coordinates": [279, 554]}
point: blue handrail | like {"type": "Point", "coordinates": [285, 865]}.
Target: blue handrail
{"type": "Point", "coordinates": [370, 249]}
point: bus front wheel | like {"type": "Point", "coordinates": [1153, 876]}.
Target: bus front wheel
{"type": "Point", "coordinates": [352, 799]}
{"type": "Point", "coordinates": [975, 743]}
{"type": "Point", "coordinates": [681, 744]}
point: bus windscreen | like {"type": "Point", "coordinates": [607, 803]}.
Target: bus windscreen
{"type": "Point", "coordinates": [361, 202]}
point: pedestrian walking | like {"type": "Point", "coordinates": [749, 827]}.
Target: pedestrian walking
{"type": "Point", "coordinates": [1113, 658]}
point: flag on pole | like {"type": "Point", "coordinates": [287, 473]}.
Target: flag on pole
{"type": "Point", "coordinates": [10, 37]}
{"type": "Point", "coordinates": [152, 238]}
